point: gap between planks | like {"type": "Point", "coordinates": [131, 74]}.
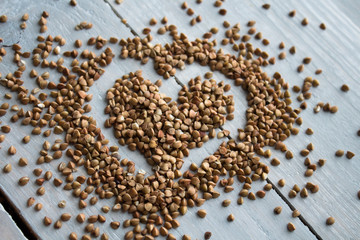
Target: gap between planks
{"type": "Point", "coordinates": [18, 218]}
{"type": "Point", "coordinates": [276, 189]}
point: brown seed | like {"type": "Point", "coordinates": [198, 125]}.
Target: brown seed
{"type": "Point", "coordinates": [129, 235]}
{"type": "Point", "coordinates": [314, 189]}
{"type": "Point", "coordinates": [36, 131]}
{"type": "Point", "coordinates": [152, 21]}
{"type": "Point", "coordinates": [258, 36]}
{"type": "Point", "coordinates": [291, 227]}
{"type": "Point", "coordinates": [282, 45]}
{"type": "Point", "coordinates": [222, 12]}
{"type": "Point", "coordinates": [307, 60]}
{"type": "Point", "coordinates": [358, 194]}
{"type": "Point", "coordinates": [12, 150]}
{"type": "Point", "coordinates": [7, 168]}
{"type": "Point", "coordinates": [292, 13]}
{"type": "Point", "coordinates": [217, 3]}
{"type": "Point", "coordinates": [226, 24]}
{"type": "Point", "coordinates": [322, 26]}
{"type": "Point", "coordinates": [252, 196]}
{"type": "Point", "coordinates": [38, 206]}
{"type": "Point", "coordinates": [87, 237]}
{"type": "Point", "coordinates": [37, 171]}
{"type": "Point", "coordinates": [309, 131]}
{"type": "Point", "coordinates": [295, 213]}
{"type": "Point", "coordinates": [292, 50]}
{"type": "Point", "coordinates": [207, 235]}
{"type": "Point", "coordinates": [40, 191]}
{"type": "Point", "coordinates": [73, 236]}
{"type": "Point", "coordinates": [333, 109]}
{"type": "Point", "coordinates": [3, 18]}
{"type": "Point", "coordinates": [30, 201]}
{"type": "Point", "coordinates": [310, 147]}
{"type": "Point", "coordinates": [296, 188]}
{"type": "Point", "coordinates": [231, 218]}
{"type": "Point", "coordinates": [161, 31]}
{"type": "Point", "coordinates": [23, 181]}
{"type": "Point", "coordinates": [268, 187]}
{"type": "Point", "coordinates": [58, 224]}
{"type": "Point", "coordinates": [57, 182]}
{"type": "Point", "coordinates": [184, 5]}
{"type": "Point", "coordinates": [93, 218]}
{"type": "Point", "coordinates": [65, 217]}
{"type": "Point", "coordinates": [339, 153]}
{"type": "Point", "coordinates": [201, 213]}
{"type": "Point", "coordinates": [349, 155]}
{"type": "Point", "coordinates": [23, 162]}
{"type": "Point", "coordinates": [289, 155]}
{"type": "Point", "coordinates": [208, 75]}
{"type": "Point", "coordinates": [300, 68]}
{"type": "Point", "coordinates": [266, 6]}
{"type": "Point", "coordinates": [275, 162]}
{"type": "Point", "coordinates": [240, 201]}
{"type": "Point", "coordinates": [164, 20]}
{"type": "Point", "coordinates": [115, 225]}
{"type": "Point", "coordinates": [25, 17]}
{"type": "Point", "coordinates": [78, 43]}
{"type": "Point", "coordinates": [251, 23]}
{"type": "Point", "coordinates": [265, 42]}
{"type": "Point", "coordinates": [104, 236]}
{"type": "Point", "coordinates": [226, 203]}
{"type": "Point", "coordinates": [292, 194]}
{"type": "Point", "coordinates": [318, 71]}
{"type": "Point", "coordinates": [80, 218]}
{"type": "Point", "coordinates": [5, 129]}
{"type": "Point", "coordinates": [321, 162]}
{"type": "Point", "coordinates": [48, 175]}
{"type": "Point", "coordinates": [304, 152]}
{"type": "Point", "coordinates": [305, 22]}
{"type": "Point", "coordinates": [277, 210]}
{"type": "Point", "coordinates": [309, 172]}
{"type": "Point", "coordinates": [190, 12]}
{"type": "Point", "coordinates": [345, 88]}
{"type": "Point", "coordinates": [214, 30]}
{"type": "Point", "coordinates": [105, 209]}
{"type": "Point", "coordinates": [47, 221]}
{"type": "Point", "coordinates": [303, 193]}
{"type": "Point", "coordinates": [281, 182]}
{"type": "Point", "coordinates": [260, 194]}
{"type": "Point", "coordinates": [330, 221]}
{"type": "Point", "coordinates": [23, 25]}
{"type": "Point", "coordinates": [282, 55]}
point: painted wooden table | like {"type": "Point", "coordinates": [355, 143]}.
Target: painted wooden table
{"type": "Point", "coordinates": [334, 50]}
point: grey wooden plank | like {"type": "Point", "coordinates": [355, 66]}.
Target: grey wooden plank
{"type": "Point", "coordinates": [332, 50]}
{"type": "Point", "coordinates": [8, 228]}
{"type": "Point", "coordinates": [177, 17]}
{"type": "Point", "coordinates": [63, 18]}
{"type": "Point", "coordinates": [100, 15]}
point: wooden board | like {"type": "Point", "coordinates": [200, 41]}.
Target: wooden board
{"type": "Point", "coordinates": [330, 50]}
{"type": "Point", "coordinates": [254, 220]}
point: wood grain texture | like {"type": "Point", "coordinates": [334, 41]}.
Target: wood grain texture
{"type": "Point", "coordinates": [330, 51]}
{"type": "Point", "coordinates": [8, 228]}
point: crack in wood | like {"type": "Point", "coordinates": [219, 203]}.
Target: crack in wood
{"type": "Point", "coordinates": [17, 217]}
{"type": "Point", "coordinates": [302, 219]}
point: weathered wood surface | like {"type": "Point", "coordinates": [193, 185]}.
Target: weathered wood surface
{"type": "Point", "coordinates": [333, 51]}
{"type": "Point", "coordinates": [330, 51]}
{"type": "Point", "coordinates": [8, 228]}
